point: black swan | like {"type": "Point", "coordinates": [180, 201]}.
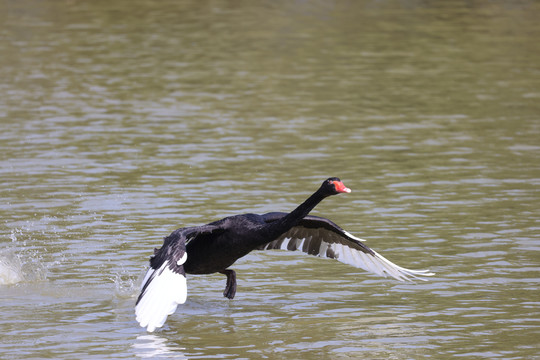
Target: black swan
{"type": "Point", "coordinates": [214, 247]}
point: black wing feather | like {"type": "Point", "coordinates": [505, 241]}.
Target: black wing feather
{"type": "Point", "coordinates": [311, 231]}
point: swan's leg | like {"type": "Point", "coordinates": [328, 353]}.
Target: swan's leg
{"type": "Point", "coordinates": [230, 289]}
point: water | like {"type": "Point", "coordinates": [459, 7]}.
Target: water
{"type": "Point", "coordinates": [121, 121]}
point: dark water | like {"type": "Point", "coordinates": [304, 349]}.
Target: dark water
{"type": "Point", "coordinates": [121, 121]}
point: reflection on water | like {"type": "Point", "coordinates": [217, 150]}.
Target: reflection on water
{"type": "Point", "coordinates": [154, 347]}
{"type": "Point", "coordinates": [120, 122]}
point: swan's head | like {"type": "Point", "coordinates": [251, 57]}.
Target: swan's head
{"type": "Point", "coordinates": [334, 186]}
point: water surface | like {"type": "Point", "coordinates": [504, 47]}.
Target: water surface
{"type": "Point", "coordinates": [121, 121]}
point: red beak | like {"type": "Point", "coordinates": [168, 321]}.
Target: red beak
{"type": "Point", "coordinates": [341, 188]}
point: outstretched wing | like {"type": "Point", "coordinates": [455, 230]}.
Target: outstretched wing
{"type": "Point", "coordinates": [164, 286]}
{"type": "Point", "coordinates": [321, 237]}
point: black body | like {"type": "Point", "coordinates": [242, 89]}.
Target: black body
{"type": "Point", "coordinates": [216, 246]}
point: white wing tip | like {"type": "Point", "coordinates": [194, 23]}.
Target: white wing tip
{"type": "Point", "coordinates": [161, 298]}
{"type": "Point", "coordinates": [411, 275]}
{"type": "Point", "coordinates": [401, 273]}
{"type": "Point", "coordinates": [352, 236]}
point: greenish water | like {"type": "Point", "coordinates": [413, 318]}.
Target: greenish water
{"type": "Point", "coordinates": [121, 121]}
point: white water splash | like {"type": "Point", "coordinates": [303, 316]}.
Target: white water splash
{"type": "Point", "coordinates": [18, 263]}
{"type": "Point", "coordinates": [11, 269]}
{"type": "Point", "coordinates": [126, 285]}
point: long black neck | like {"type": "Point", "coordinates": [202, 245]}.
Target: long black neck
{"type": "Point", "coordinates": [276, 228]}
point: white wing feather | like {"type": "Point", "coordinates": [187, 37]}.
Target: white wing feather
{"type": "Point", "coordinates": [162, 295]}
{"type": "Point", "coordinates": [374, 263]}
